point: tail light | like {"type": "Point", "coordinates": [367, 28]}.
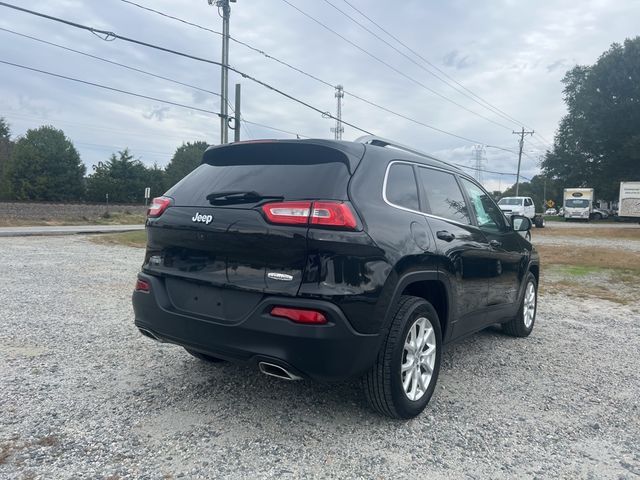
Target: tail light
{"type": "Point", "coordinates": [299, 315]}
{"type": "Point", "coordinates": [142, 286]}
{"type": "Point", "coordinates": [158, 206]}
{"type": "Point", "coordinates": [321, 213]}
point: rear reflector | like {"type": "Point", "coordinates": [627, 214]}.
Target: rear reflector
{"type": "Point", "coordinates": [142, 286]}
{"type": "Point", "coordinates": [158, 206]}
{"type": "Point", "coordinates": [321, 213]}
{"type": "Point", "coordinates": [298, 315]}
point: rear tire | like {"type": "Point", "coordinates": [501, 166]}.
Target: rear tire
{"type": "Point", "coordinates": [539, 221]}
{"type": "Point", "coordinates": [522, 324]}
{"type": "Point", "coordinates": [203, 356]}
{"type": "Point", "coordinates": [403, 378]}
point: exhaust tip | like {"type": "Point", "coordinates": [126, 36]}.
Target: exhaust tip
{"type": "Point", "coordinates": [277, 371]}
{"type": "Point", "coordinates": [150, 334]}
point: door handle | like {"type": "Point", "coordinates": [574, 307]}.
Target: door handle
{"type": "Point", "coordinates": [444, 235]}
{"type": "Point", "coordinates": [495, 243]}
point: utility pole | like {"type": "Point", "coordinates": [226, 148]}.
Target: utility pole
{"type": "Point", "coordinates": [478, 155]}
{"type": "Point", "coordinates": [522, 134]}
{"type": "Point", "coordinates": [236, 123]}
{"type": "Point", "coordinates": [225, 12]}
{"type": "Point", "coordinates": [339, 129]}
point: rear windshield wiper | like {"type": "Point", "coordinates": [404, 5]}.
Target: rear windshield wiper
{"type": "Point", "coordinates": [226, 198]}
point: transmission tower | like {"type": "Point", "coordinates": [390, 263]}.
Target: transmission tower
{"type": "Point", "coordinates": [478, 157]}
{"type": "Point", "coordinates": [338, 130]}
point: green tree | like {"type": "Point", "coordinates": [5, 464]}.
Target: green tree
{"type": "Point", "coordinates": [598, 142]}
{"type": "Point", "coordinates": [46, 166]}
{"type": "Point", "coordinates": [186, 158]}
{"type": "Point", "coordinates": [122, 177]}
{"type": "Point", "coordinates": [5, 155]}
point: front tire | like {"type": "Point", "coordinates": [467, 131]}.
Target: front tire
{"type": "Point", "coordinates": [403, 378]}
{"type": "Point", "coordinates": [522, 324]}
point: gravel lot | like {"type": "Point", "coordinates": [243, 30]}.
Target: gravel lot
{"type": "Point", "coordinates": [83, 395]}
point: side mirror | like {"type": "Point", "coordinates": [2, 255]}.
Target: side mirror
{"type": "Point", "coordinates": [521, 223]}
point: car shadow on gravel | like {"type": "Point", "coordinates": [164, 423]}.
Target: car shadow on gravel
{"type": "Point", "coordinates": [218, 388]}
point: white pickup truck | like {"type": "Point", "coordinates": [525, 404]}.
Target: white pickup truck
{"type": "Point", "coordinates": [521, 206]}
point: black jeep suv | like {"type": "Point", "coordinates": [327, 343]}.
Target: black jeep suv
{"type": "Point", "coordinates": [333, 260]}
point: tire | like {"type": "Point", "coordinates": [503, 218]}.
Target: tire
{"type": "Point", "coordinates": [203, 356]}
{"type": "Point", "coordinates": [527, 237]}
{"type": "Point", "coordinates": [522, 325]}
{"type": "Point", "coordinates": [383, 384]}
{"type": "Point", "coordinates": [539, 221]}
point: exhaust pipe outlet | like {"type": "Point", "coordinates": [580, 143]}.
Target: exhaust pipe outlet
{"type": "Point", "coordinates": [150, 334]}
{"type": "Point", "coordinates": [277, 371]}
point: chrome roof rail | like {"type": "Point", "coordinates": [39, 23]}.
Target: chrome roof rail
{"type": "Point", "coordinates": [383, 142]}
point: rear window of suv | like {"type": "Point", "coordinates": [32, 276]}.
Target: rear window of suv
{"type": "Point", "coordinates": [295, 172]}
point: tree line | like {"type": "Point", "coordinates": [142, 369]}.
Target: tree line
{"type": "Point", "coordinates": [44, 165]}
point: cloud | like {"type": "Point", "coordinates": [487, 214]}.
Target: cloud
{"type": "Point", "coordinates": [514, 65]}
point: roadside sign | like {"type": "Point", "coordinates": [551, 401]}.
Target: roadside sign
{"type": "Point", "coordinates": [147, 192]}
{"type": "Point", "coordinates": [550, 203]}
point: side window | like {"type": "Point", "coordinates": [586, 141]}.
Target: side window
{"type": "Point", "coordinates": [527, 202]}
{"type": "Point", "coordinates": [443, 195]}
{"type": "Point", "coordinates": [487, 213]}
{"type": "Point", "coordinates": [402, 189]}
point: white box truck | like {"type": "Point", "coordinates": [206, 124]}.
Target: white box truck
{"type": "Point", "coordinates": [629, 201]}
{"type": "Point", "coordinates": [578, 203]}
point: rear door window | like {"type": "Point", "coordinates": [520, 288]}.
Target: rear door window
{"type": "Point", "coordinates": [402, 189]}
{"type": "Point", "coordinates": [443, 195]}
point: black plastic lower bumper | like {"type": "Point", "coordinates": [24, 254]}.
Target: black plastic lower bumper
{"type": "Point", "coordinates": [330, 352]}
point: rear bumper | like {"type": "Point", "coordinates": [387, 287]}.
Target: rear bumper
{"type": "Point", "coordinates": [330, 352]}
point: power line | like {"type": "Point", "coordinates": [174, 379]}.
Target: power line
{"type": "Point", "coordinates": [113, 89]}
{"type": "Point", "coordinates": [394, 37]}
{"type": "Point", "coordinates": [314, 77]}
{"type": "Point", "coordinates": [398, 71]}
{"type": "Point", "coordinates": [482, 103]}
{"type": "Point", "coordinates": [110, 36]}
{"type": "Point", "coordinates": [109, 61]}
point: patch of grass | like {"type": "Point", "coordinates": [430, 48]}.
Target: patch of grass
{"type": "Point", "coordinates": [629, 232]}
{"type": "Point", "coordinates": [136, 239]}
{"type": "Point", "coordinates": [581, 257]}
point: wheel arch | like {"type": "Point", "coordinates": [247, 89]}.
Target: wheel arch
{"type": "Point", "coordinates": [426, 285]}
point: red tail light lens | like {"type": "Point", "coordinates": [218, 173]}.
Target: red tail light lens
{"type": "Point", "coordinates": [333, 214]}
{"type": "Point", "coordinates": [142, 286]}
{"type": "Point", "coordinates": [158, 206]}
{"type": "Point", "coordinates": [298, 315]}
{"type": "Point", "coordinates": [324, 213]}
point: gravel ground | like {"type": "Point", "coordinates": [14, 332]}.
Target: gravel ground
{"type": "Point", "coordinates": [83, 395]}
{"type": "Point", "coordinates": [626, 244]}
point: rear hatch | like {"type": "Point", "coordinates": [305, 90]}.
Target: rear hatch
{"type": "Point", "coordinates": [215, 245]}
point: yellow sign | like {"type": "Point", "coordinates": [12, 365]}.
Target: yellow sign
{"type": "Point", "coordinates": [550, 203]}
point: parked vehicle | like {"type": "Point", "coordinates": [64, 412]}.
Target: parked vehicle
{"type": "Point", "coordinates": [333, 260]}
{"type": "Point", "coordinates": [629, 200]}
{"type": "Point", "coordinates": [551, 211]}
{"type": "Point", "coordinates": [578, 204]}
{"type": "Point", "coordinates": [521, 206]}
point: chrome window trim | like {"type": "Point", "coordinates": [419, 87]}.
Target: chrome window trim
{"type": "Point", "coordinates": [428, 215]}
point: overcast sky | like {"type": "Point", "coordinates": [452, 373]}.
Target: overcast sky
{"type": "Point", "coordinates": [512, 54]}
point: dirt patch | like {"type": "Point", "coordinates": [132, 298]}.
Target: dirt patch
{"type": "Point", "coordinates": [590, 232]}
{"type": "Point", "coordinates": [597, 257]}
